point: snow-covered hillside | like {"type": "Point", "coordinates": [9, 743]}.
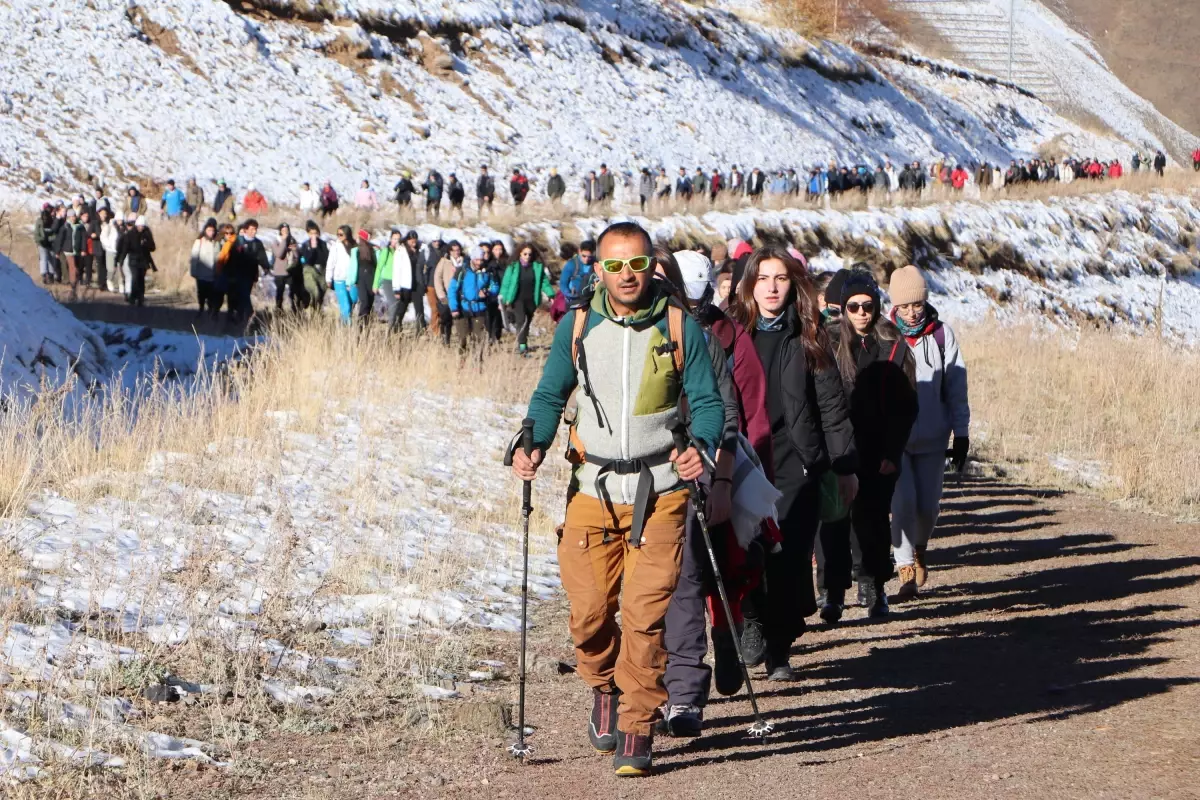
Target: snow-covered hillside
{"type": "Point", "coordinates": [41, 343]}
{"type": "Point", "coordinates": [1116, 259]}
{"type": "Point", "coordinates": [282, 91]}
{"type": "Point", "coordinates": [1057, 62]}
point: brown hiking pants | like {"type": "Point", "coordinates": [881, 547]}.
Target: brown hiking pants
{"type": "Point", "coordinates": [597, 568]}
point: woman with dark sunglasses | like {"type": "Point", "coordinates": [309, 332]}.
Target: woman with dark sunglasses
{"type": "Point", "coordinates": [810, 435]}
{"type": "Point", "coordinates": [879, 378]}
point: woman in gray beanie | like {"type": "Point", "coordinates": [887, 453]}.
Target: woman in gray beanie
{"type": "Point", "coordinates": [943, 410]}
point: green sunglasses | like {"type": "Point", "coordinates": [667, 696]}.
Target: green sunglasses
{"type": "Point", "coordinates": [636, 264]}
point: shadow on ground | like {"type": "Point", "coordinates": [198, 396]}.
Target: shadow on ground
{"type": "Point", "coordinates": [1051, 653]}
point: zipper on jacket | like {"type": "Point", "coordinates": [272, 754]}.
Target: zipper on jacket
{"type": "Point", "coordinates": [625, 407]}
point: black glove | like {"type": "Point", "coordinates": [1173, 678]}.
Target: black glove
{"type": "Point", "coordinates": [958, 453]}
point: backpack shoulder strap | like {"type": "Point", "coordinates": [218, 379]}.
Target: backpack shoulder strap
{"type": "Point", "coordinates": [675, 332]}
{"type": "Point", "coordinates": [577, 331]}
{"type": "Point", "coordinates": [939, 336]}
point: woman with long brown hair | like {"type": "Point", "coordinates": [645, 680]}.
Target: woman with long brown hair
{"type": "Point", "coordinates": [810, 435]}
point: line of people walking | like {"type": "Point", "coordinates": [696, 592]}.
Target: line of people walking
{"type": "Point", "coordinates": [818, 425]}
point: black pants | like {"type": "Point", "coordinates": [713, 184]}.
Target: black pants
{"type": "Point", "coordinates": [787, 594]}
{"type": "Point", "coordinates": [366, 301]}
{"type": "Point", "coordinates": [871, 516]}
{"type": "Point", "coordinates": [445, 322]}
{"type": "Point", "coordinates": [838, 558]}
{"type": "Point", "coordinates": [281, 283]}
{"type": "Point", "coordinates": [494, 321]}
{"type": "Point", "coordinates": [418, 305]}
{"type": "Point", "coordinates": [85, 269]}
{"type": "Point", "coordinates": [101, 269]}
{"type": "Point", "coordinates": [523, 316]}
{"type": "Point", "coordinates": [137, 286]}
{"type": "Point", "coordinates": [207, 296]}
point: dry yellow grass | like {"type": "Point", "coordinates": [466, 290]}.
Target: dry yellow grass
{"type": "Point", "coordinates": [1117, 413]}
{"type": "Point", "coordinates": [320, 373]}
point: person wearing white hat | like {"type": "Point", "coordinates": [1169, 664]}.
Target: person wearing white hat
{"type": "Point", "coordinates": [136, 249]}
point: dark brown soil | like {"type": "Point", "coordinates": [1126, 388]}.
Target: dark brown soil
{"type": "Point", "coordinates": [1054, 655]}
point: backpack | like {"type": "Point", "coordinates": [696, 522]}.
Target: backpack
{"type": "Point", "coordinates": [575, 453]}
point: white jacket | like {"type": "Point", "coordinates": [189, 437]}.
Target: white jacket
{"type": "Point", "coordinates": [941, 394]}
{"type": "Point", "coordinates": [337, 268]}
{"type": "Point", "coordinates": [204, 258]}
{"type": "Point", "coordinates": [402, 269]}
{"type": "Point", "coordinates": [108, 236]}
{"type": "Point", "coordinates": [310, 201]}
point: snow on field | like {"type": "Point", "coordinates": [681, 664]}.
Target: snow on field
{"type": "Point", "coordinates": [296, 91]}
{"type": "Point", "coordinates": [369, 533]}
{"type": "Point", "coordinates": [41, 343]}
{"type": "Point", "coordinates": [147, 353]}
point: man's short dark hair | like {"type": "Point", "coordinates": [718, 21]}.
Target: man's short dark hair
{"type": "Point", "coordinates": [250, 223]}
{"type": "Point", "coordinates": [588, 244]}
{"type": "Point", "coordinates": [630, 230]}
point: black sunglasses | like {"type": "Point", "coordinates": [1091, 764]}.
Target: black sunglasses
{"type": "Point", "coordinates": [854, 308]}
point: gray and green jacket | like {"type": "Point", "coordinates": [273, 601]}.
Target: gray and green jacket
{"type": "Point", "coordinates": [634, 395]}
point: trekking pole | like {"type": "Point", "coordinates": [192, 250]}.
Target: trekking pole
{"type": "Point", "coordinates": [761, 727]}
{"type": "Point", "coordinates": [520, 749]}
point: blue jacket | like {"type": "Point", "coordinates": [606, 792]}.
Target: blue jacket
{"type": "Point", "coordinates": [469, 291]}
{"type": "Point", "coordinates": [173, 202]}
{"type": "Point", "coordinates": [574, 278]}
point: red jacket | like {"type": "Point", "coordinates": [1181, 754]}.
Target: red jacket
{"type": "Point", "coordinates": [1095, 169]}
{"type": "Point", "coordinates": [958, 178]}
{"type": "Point", "coordinates": [750, 382]}
{"type": "Point", "coordinates": [254, 202]}
{"type": "Point", "coordinates": [1196, 155]}
{"type": "Point", "coordinates": [1115, 171]}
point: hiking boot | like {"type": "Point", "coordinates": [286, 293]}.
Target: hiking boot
{"type": "Point", "coordinates": [908, 582]}
{"type": "Point", "coordinates": [878, 608]}
{"type": "Point", "coordinates": [831, 609]}
{"type": "Point", "coordinates": [727, 672]}
{"type": "Point", "coordinates": [754, 643]}
{"type": "Point", "coordinates": [922, 572]}
{"type": "Point", "coordinates": [866, 591]}
{"type": "Point", "coordinates": [602, 725]}
{"type": "Point", "coordinates": [822, 596]}
{"type": "Point", "coordinates": [684, 722]}
{"type": "Point", "coordinates": [632, 756]}
{"type": "Point", "coordinates": [780, 670]}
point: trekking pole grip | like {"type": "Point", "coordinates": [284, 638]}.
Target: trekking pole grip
{"type": "Point", "coordinates": [527, 446]}
{"type": "Point", "coordinates": [679, 434]}
{"type": "Point", "coordinates": [527, 435]}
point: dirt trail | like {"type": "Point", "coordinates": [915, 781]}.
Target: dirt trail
{"type": "Point", "coordinates": [1056, 654]}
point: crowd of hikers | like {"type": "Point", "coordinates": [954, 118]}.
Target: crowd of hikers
{"type": "Point", "coordinates": [820, 423]}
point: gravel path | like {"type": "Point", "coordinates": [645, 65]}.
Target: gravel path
{"type": "Point", "coordinates": [1055, 654]}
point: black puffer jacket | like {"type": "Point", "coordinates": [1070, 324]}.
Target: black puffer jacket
{"type": "Point", "coordinates": [807, 409]}
{"type": "Point", "coordinates": [883, 398]}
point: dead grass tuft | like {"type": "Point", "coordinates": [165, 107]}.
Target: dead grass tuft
{"type": "Point", "coordinates": [1109, 413]}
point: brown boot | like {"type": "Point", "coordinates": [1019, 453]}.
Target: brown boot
{"type": "Point", "coordinates": [919, 565]}
{"type": "Point", "coordinates": [908, 583]}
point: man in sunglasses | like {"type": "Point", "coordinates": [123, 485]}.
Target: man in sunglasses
{"type": "Point", "coordinates": [626, 501]}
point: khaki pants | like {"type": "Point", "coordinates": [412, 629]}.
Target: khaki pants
{"type": "Point", "coordinates": [595, 572]}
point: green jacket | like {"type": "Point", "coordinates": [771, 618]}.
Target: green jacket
{"type": "Point", "coordinates": [542, 288]}
{"type": "Point", "coordinates": [383, 267]}
{"type": "Point", "coordinates": [635, 392]}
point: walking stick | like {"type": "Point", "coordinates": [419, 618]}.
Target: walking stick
{"type": "Point", "coordinates": [761, 727]}
{"type": "Point", "coordinates": [520, 749]}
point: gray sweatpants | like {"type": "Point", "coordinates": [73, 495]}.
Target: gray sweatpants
{"type": "Point", "coordinates": [916, 503]}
